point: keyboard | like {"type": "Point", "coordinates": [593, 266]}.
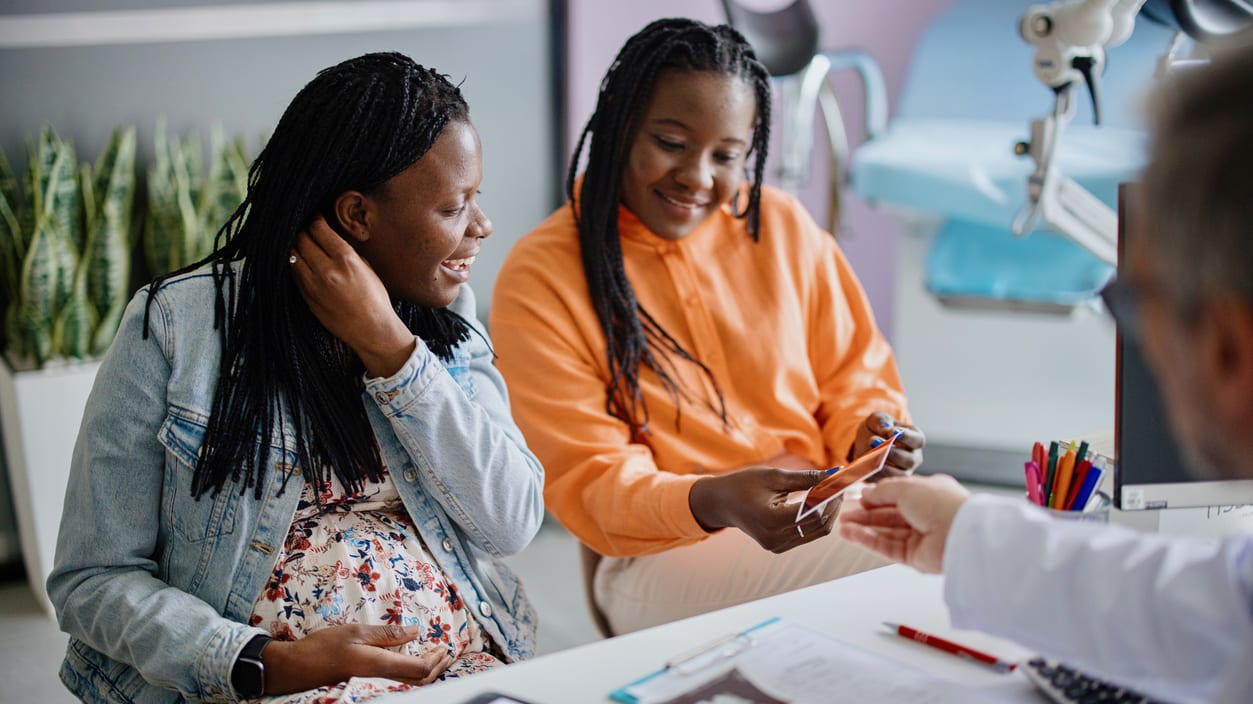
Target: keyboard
{"type": "Point", "coordinates": [1066, 685]}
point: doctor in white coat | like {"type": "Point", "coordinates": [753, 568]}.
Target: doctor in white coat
{"type": "Point", "coordinates": [1168, 616]}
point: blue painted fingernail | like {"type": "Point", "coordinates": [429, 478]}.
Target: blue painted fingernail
{"type": "Point", "coordinates": [899, 431]}
{"type": "Point", "coordinates": [833, 470]}
{"type": "Point", "coordinates": [876, 442]}
{"type": "Point", "coordinates": [885, 424]}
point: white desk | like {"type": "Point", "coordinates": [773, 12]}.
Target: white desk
{"type": "Point", "coordinates": [851, 609]}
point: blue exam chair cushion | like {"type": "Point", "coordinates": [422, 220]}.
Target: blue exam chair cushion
{"type": "Point", "coordinates": [966, 169]}
{"type": "Point", "coordinates": [973, 261]}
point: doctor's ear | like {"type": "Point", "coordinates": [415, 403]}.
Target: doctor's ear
{"type": "Point", "coordinates": [1226, 349]}
{"type": "Point", "coordinates": [350, 211]}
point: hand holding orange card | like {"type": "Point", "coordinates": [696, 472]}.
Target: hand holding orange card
{"type": "Point", "coordinates": [865, 466]}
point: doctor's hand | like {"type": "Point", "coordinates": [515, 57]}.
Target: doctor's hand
{"type": "Point", "coordinates": [904, 457]}
{"type": "Point", "coordinates": [753, 500]}
{"type": "Point", "coordinates": [339, 653]}
{"type": "Point", "coordinates": [906, 519]}
{"type": "Point", "coordinates": [349, 299]}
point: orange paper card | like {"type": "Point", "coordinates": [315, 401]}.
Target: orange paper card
{"type": "Point", "coordinates": [865, 466]}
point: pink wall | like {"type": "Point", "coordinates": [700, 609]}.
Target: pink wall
{"type": "Point", "coordinates": [886, 29]}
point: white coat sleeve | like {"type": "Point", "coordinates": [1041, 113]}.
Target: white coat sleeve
{"type": "Point", "coordinates": [1167, 615]}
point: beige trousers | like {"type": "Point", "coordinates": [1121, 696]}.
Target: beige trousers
{"type": "Point", "coordinates": [726, 569]}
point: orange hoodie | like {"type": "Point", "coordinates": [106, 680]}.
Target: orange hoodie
{"type": "Point", "coordinates": [783, 324]}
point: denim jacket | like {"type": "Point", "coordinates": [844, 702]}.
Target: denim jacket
{"type": "Point", "coordinates": [155, 587]}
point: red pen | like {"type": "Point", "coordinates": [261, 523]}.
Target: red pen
{"type": "Point", "coordinates": [949, 646]}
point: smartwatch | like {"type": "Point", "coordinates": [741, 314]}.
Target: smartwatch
{"type": "Point", "coordinates": [248, 674]}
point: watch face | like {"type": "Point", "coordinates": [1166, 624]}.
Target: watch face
{"type": "Point", "coordinates": [249, 678]}
{"type": "Point", "coordinates": [248, 674]}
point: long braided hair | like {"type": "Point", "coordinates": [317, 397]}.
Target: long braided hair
{"type": "Point", "coordinates": [353, 127]}
{"type": "Point", "coordinates": [634, 339]}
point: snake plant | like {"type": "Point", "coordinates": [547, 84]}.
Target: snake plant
{"type": "Point", "coordinates": [40, 249]}
{"type": "Point", "coordinates": [105, 272]}
{"type": "Point", "coordinates": [186, 206]}
{"type": "Point", "coordinates": [65, 277]}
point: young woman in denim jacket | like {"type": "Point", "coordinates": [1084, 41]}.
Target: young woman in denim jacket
{"type": "Point", "coordinates": [304, 438]}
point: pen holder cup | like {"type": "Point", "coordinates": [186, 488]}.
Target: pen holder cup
{"type": "Point", "coordinates": [1097, 511]}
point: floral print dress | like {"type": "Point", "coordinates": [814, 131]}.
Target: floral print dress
{"type": "Point", "coordinates": [358, 559]}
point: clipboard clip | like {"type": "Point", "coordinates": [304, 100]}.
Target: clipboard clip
{"type": "Point", "coordinates": [712, 653]}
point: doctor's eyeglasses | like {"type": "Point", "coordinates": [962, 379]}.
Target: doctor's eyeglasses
{"type": "Point", "coordinates": [1123, 305]}
{"type": "Point", "coordinates": [1124, 299]}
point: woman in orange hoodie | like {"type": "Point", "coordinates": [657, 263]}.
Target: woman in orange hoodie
{"type": "Point", "coordinates": [685, 347]}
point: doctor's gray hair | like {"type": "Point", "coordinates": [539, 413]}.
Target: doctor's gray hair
{"type": "Point", "coordinates": [1196, 198]}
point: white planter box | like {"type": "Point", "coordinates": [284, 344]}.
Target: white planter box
{"type": "Point", "coordinates": [41, 411]}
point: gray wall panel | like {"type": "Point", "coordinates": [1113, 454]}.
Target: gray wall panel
{"type": "Point", "coordinates": [17, 7]}
{"type": "Point", "coordinates": [244, 84]}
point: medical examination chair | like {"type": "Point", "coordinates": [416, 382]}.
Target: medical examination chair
{"type": "Point", "coordinates": [997, 338]}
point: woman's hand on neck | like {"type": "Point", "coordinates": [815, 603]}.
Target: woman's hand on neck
{"type": "Point", "coordinates": [350, 301]}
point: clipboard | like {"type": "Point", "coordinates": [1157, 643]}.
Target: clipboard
{"type": "Point", "coordinates": [694, 662]}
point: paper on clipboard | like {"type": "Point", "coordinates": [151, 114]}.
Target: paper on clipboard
{"type": "Point", "coordinates": [780, 662]}
{"type": "Point", "coordinates": [824, 491]}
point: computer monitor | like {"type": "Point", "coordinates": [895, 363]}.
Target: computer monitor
{"type": "Point", "coordinates": [1149, 472]}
